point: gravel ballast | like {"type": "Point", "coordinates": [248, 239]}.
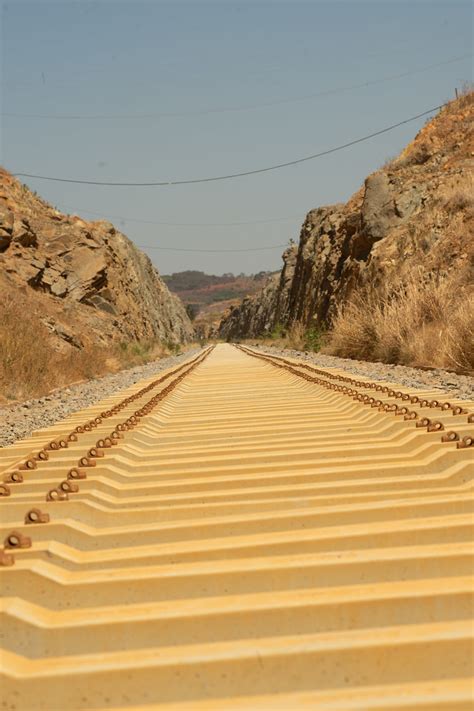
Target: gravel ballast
{"type": "Point", "coordinates": [460, 386]}
{"type": "Point", "coordinates": [20, 420]}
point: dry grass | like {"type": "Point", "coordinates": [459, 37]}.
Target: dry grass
{"type": "Point", "coordinates": [459, 197]}
{"type": "Point", "coordinates": [465, 96]}
{"type": "Point", "coordinates": [32, 362]}
{"type": "Point", "coordinates": [427, 323]}
{"type": "Point", "coordinates": [296, 337]}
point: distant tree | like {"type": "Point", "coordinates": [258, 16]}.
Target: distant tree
{"type": "Point", "coordinates": [192, 310]}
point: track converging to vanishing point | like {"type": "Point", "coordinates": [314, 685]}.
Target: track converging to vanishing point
{"type": "Point", "coordinates": [243, 532]}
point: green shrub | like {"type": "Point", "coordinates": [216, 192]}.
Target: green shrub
{"type": "Point", "coordinates": [277, 332]}
{"type": "Point", "coordinates": [313, 339]}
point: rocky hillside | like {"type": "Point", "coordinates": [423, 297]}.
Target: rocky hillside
{"type": "Point", "coordinates": [87, 281]}
{"type": "Point", "coordinates": [416, 211]}
{"type": "Point", "coordinates": [208, 297]}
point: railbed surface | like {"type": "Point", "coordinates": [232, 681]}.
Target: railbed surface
{"type": "Point", "coordinates": [243, 532]}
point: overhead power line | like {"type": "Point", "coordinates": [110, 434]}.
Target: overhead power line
{"type": "Point", "coordinates": [229, 176]}
{"type": "Point", "coordinates": [199, 224]}
{"type": "Point", "coordinates": [177, 249]}
{"type": "Point", "coordinates": [183, 224]}
{"type": "Point", "coordinates": [232, 109]}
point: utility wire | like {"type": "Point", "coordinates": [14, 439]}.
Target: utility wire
{"type": "Point", "coordinates": [184, 224]}
{"type": "Point", "coordinates": [177, 249]}
{"type": "Point", "coordinates": [199, 224]}
{"type": "Point", "coordinates": [241, 174]}
{"type": "Point", "coordinates": [231, 109]}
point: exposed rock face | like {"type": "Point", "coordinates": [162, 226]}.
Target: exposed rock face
{"type": "Point", "coordinates": [260, 312]}
{"type": "Point", "coordinates": [90, 280]}
{"type": "Point", "coordinates": [418, 211]}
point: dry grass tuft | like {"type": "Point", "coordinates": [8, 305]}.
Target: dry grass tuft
{"type": "Point", "coordinates": [465, 96]}
{"type": "Point", "coordinates": [418, 323]}
{"type": "Point", "coordinates": [32, 362]}
{"type": "Point", "coordinates": [296, 338]}
{"type": "Point", "coordinates": [460, 197]}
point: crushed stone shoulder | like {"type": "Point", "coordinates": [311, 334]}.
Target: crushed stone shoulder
{"type": "Point", "coordinates": [21, 419]}
{"type": "Point", "coordinates": [460, 386]}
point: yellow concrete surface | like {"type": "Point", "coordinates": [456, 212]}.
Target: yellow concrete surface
{"type": "Point", "coordinates": [257, 541]}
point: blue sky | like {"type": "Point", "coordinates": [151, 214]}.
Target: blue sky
{"type": "Point", "coordinates": [194, 64]}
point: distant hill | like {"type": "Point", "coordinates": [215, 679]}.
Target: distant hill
{"type": "Point", "coordinates": [192, 279]}
{"type": "Point", "coordinates": [207, 296]}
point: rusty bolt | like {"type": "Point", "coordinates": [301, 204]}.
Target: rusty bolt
{"type": "Point", "coordinates": [72, 437]}
{"type": "Point", "coordinates": [104, 443]}
{"type": "Point", "coordinates": [15, 539]}
{"type": "Point", "coordinates": [6, 559]}
{"type": "Point", "coordinates": [69, 486]}
{"type": "Point", "coordinates": [470, 418]}
{"type": "Point", "coordinates": [56, 495]}
{"type": "Point", "coordinates": [4, 490]}
{"type": "Point", "coordinates": [435, 426]}
{"type": "Point", "coordinates": [98, 420]}
{"type": "Point", "coordinates": [424, 422]}
{"type": "Point", "coordinates": [95, 453]}
{"type": "Point", "coordinates": [36, 516]}
{"type": "Point", "coordinates": [411, 415]}
{"type": "Point", "coordinates": [75, 473]}
{"type": "Point", "coordinates": [405, 396]}
{"type": "Point", "coordinates": [446, 406]}
{"type": "Point", "coordinates": [79, 429]}
{"type": "Point", "coordinates": [42, 455]}
{"type": "Point", "coordinates": [28, 464]}
{"type": "Point", "coordinates": [457, 410]}
{"type": "Point", "coordinates": [466, 442]}
{"type": "Point", "coordinates": [414, 398]}
{"type": "Point", "coordinates": [434, 403]}
{"type": "Point", "coordinates": [13, 478]}
{"type": "Point", "coordinates": [450, 437]}
{"type": "Point", "coordinates": [424, 403]}
{"type": "Point", "coordinates": [86, 462]}
{"type": "Point", "coordinates": [63, 444]}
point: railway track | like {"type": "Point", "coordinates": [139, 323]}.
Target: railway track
{"type": "Point", "coordinates": [243, 532]}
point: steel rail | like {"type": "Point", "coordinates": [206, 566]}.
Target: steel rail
{"type": "Point", "coordinates": [258, 534]}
